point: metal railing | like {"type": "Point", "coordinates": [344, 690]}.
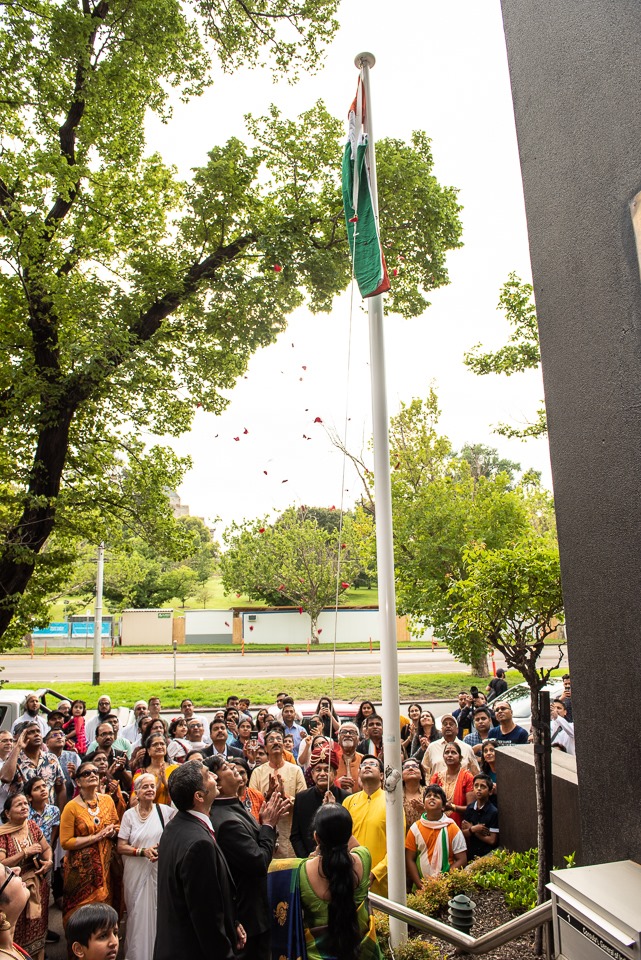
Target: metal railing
{"type": "Point", "coordinates": [463, 941]}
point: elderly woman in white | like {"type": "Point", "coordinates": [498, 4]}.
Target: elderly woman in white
{"type": "Point", "coordinates": [140, 832]}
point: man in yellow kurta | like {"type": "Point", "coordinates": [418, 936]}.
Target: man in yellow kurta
{"type": "Point", "coordinates": [286, 778]}
{"type": "Point", "coordinates": [367, 808]}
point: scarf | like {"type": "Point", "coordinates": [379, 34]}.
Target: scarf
{"type": "Point", "coordinates": [440, 859]}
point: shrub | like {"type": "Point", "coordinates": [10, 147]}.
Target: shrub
{"type": "Point", "coordinates": [516, 874]}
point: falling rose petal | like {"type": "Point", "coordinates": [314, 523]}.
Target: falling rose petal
{"type": "Point", "coordinates": [304, 368]}
{"type": "Point", "coordinates": [300, 379]}
{"type": "Point", "coordinates": [237, 439]}
{"type": "Point", "coordinates": [215, 436]}
{"type": "Point", "coordinates": [251, 628]}
{"type": "Point", "coordinates": [317, 420]}
{"type": "Point", "coordinates": [226, 624]}
{"type": "Point", "coordinates": [245, 377]}
{"type": "Point", "coordinates": [394, 272]}
{"type": "Point", "coordinates": [277, 268]}
{"type": "Point", "coordinates": [292, 345]}
{"type": "Point", "coordinates": [344, 585]}
{"type": "Point", "coordinates": [282, 587]}
{"type": "Point", "coordinates": [237, 594]}
{"type": "Point", "coordinates": [284, 481]}
{"type": "Point", "coordinates": [261, 529]}
{"type": "Point", "coordinates": [300, 609]}
{"type": "Point", "coordinates": [343, 546]}
{"type": "Point", "coordinates": [332, 507]}
{"type": "Point", "coordinates": [397, 467]}
{"type": "Point", "coordinates": [353, 219]}
{"type": "Point", "coordinates": [265, 472]}
{"type": "Point", "coordinates": [245, 431]}
{"type": "Point", "coordinates": [300, 580]}
{"type": "Point", "coordinates": [199, 406]}
{"type": "Point", "coordinates": [304, 436]}
{"type": "Point", "coordinates": [320, 630]}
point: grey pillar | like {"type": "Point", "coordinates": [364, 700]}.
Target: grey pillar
{"type": "Point", "coordinates": [575, 69]}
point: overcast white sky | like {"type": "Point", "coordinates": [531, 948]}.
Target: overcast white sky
{"type": "Point", "coordinates": [442, 68]}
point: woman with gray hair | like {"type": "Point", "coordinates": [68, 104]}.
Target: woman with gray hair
{"type": "Point", "coordinates": [138, 838]}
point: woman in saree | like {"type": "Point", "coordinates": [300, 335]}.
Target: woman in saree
{"type": "Point", "coordinates": [14, 897]}
{"type": "Point", "coordinates": [457, 783]}
{"type": "Point", "coordinates": [88, 826]}
{"type": "Point", "coordinates": [332, 885]}
{"type": "Point", "coordinates": [22, 844]}
{"type": "Point", "coordinates": [156, 762]}
{"type": "Point", "coordinates": [108, 785]}
{"type": "Point", "coordinates": [138, 839]}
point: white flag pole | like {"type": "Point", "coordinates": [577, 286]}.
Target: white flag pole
{"type": "Point", "coordinates": [385, 563]}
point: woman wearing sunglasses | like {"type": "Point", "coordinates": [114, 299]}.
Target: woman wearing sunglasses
{"type": "Point", "coordinates": [14, 896]}
{"type": "Point", "coordinates": [22, 844]}
{"type": "Point", "coordinates": [88, 826]}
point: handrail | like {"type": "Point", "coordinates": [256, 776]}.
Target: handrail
{"type": "Point", "coordinates": [463, 941]}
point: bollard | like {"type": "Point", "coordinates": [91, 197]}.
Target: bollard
{"type": "Point", "coordinates": [461, 912]}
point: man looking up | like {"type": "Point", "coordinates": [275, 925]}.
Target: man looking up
{"type": "Point", "coordinates": [323, 764]}
{"type": "Point", "coordinates": [104, 709]}
{"type": "Point", "coordinates": [31, 715]}
{"type": "Point", "coordinates": [118, 764]}
{"type": "Point", "coordinates": [506, 732]}
{"type": "Point", "coordinates": [433, 762]}
{"type": "Point", "coordinates": [279, 776]}
{"type": "Point", "coordinates": [36, 761]}
{"type": "Point", "coordinates": [349, 760]}
{"type": "Point", "coordinates": [248, 848]}
{"type": "Point", "coordinates": [373, 744]}
{"type": "Point", "coordinates": [132, 730]}
{"type": "Point", "coordinates": [119, 743]}
{"type": "Point", "coordinates": [293, 729]}
{"type": "Point", "coordinates": [367, 808]}
{"type": "Point", "coordinates": [562, 731]}
{"type": "Point", "coordinates": [196, 909]}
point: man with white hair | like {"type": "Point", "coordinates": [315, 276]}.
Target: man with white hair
{"type": "Point", "coordinates": [131, 731]}
{"type": "Point", "coordinates": [349, 759]}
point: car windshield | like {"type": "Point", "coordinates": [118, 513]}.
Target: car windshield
{"type": "Point", "coordinates": [518, 698]}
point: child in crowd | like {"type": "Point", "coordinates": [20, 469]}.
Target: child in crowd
{"type": "Point", "coordinates": [434, 844]}
{"type": "Point", "coordinates": [480, 823]}
{"type": "Point", "coordinates": [75, 728]}
{"type": "Point", "coordinates": [92, 932]}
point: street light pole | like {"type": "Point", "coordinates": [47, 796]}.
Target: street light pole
{"type": "Point", "coordinates": [97, 621]}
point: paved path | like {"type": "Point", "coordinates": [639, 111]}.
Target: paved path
{"type": "Point", "coordinates": [49, 670]}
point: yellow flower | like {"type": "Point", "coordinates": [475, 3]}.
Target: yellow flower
{"type": "Point", "coordinates": [281, 914]}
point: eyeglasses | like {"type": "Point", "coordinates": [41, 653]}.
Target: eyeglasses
{"type": "Point", "coordinates": [411, 765]}
{"type": "Point", "coordinates": [88, 773]}
{"type": "Point", "coordinates": [10, 876]}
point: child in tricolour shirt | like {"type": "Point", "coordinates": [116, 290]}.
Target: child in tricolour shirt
{"type": "Point", "coordinates": [434, 844]}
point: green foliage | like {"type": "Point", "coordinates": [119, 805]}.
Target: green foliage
{"type": "Point", "coordinates": [441, 509]}
{"type": "Point", "coordinates": [127, 296]}
{"type": "Point", "coordinates": [294, 561]}
{"type": "Point", "coordinates": [515, 874]}
{"type": "Point", "coordinates": [522, 351]}
{"type": "Point", "coordinates": [439, 891]}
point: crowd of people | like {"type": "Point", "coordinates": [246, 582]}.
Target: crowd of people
{"type": "Point", "coordinates": [202, 835]}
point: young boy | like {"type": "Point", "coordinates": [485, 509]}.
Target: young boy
{"type": "Point", "coordinates": [480, 823]}
{"type": "Point", "coordinates": [92, 932]}
{"type": "Point", "coordinates": [434, 844]}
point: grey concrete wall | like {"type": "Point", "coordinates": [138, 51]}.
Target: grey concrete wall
{"type": "Point", "coordinates": [517, 802]}
{"type": "Point", "coordinates": [575, 70]}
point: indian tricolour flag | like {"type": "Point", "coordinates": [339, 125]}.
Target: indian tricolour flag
{"type": "Point", "coordinates": [362, 226]}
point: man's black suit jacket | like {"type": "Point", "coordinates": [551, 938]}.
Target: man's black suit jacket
{"type": "Point", "coordinates": [231, 751]}
{"type": "Point", "coordinates": [196, 897]}
{"type": "Point", "coordinates": [248, 849]}
{"type": "Point", "coordinates": [306, 803]}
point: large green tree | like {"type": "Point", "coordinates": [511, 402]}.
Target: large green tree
{"type": "Point", "coordinates": [521, 352]}
{"type": "Point", "coordinates": [128, 297]}
{"type": "Point", "coordinates": [295, 561]}
{"type": "Point", "coordinates": [512, 598]}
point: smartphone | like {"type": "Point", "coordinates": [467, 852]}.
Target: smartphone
{"type": "Point", "coordinates": [253, 735]}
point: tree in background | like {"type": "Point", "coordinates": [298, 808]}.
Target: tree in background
{"type": "Point", "coordinates": [129, 297]}
{"type": "Point", "coordinates": [294, 561]}
{"type": "Point", "coordinates": [521, 352]}
{"type": "Point", "coordinates": [512, 598]}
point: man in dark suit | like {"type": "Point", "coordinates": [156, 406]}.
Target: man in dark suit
{"type": "Point", "coordinates": [218, 732]}
{"type": "Point", "coordinates": [323, 763]}
{"type": "Point", "coordinates": [196, 904]}
{"type": "Point", "coordinates": [248, 848]}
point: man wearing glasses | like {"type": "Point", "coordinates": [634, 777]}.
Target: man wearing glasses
{"type": "Point", "coordinates": [506, 732]}
{"type": "Point", "coordinates": [278, 775]}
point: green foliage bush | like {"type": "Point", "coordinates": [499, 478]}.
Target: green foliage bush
{"type": "Point", "coordinates": [515, 874]}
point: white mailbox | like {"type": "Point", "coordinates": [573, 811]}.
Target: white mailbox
{"type": "Point", "coordinates": [597, 912]}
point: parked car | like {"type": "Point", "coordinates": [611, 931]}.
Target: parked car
{"type": "Point", "coordinates": [518, 698]}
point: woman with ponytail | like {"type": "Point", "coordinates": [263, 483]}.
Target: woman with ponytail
{"type": "Point", "coordinates": [333, 884]}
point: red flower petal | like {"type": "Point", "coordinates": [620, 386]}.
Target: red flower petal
{"type": "Point", "coordinates": [320, 630]}
{"type": "Point", "coordinates": [265, 472]}
{"type": "Point", "coordinates": [226, 624]}
{"type": "Point", "coordinates": [261, 529]}
{"type": "Point", "coordinates": [251, 628]}
{"type": "Point", "coordinates": [332, 507]}
{"type": "Point", "coordinates": [277, 268]}
{"type": "Point", "coordinates": [300, 609]}
{"type": "Point", "coordinates": [282, 586]}
{"type": "Point", "coordinates": [245, 431]}
{"type": "Point", "coordinates": [317, 420]}
{"type": "Point", "coordinates": [345, 585]}
{"type": "Point", "coordinates": [236, 438]}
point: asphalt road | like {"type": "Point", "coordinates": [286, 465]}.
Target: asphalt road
{"type": "Point", "coordinates": [47, 671]}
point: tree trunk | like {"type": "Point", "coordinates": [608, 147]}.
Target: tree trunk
{"type": "Point", "coordinates": [478, 664]}
{"type": "Point", "coordinates": [314, 630]}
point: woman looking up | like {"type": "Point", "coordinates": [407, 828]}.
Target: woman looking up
{"type": "Point", "coordinates": [156, 761]}
{"type": "Point", "coordinates": [138, 839]}
{"type": "Point", "coordinates": [87, 825]}
{"type": "Point", "coordinates": [22, 844]}
{"type": "Point", "coordinates": [14, 896]}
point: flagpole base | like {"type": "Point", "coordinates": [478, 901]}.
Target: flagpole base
{"type": "Point", "coordinates": [367, 59]}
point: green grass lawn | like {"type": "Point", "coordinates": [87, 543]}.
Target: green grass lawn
{"type": "Point", "coordinates": [208, 693]}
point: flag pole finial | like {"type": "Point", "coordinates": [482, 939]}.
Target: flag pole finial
{"type": "Point", "coordinates": [364, 59]}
